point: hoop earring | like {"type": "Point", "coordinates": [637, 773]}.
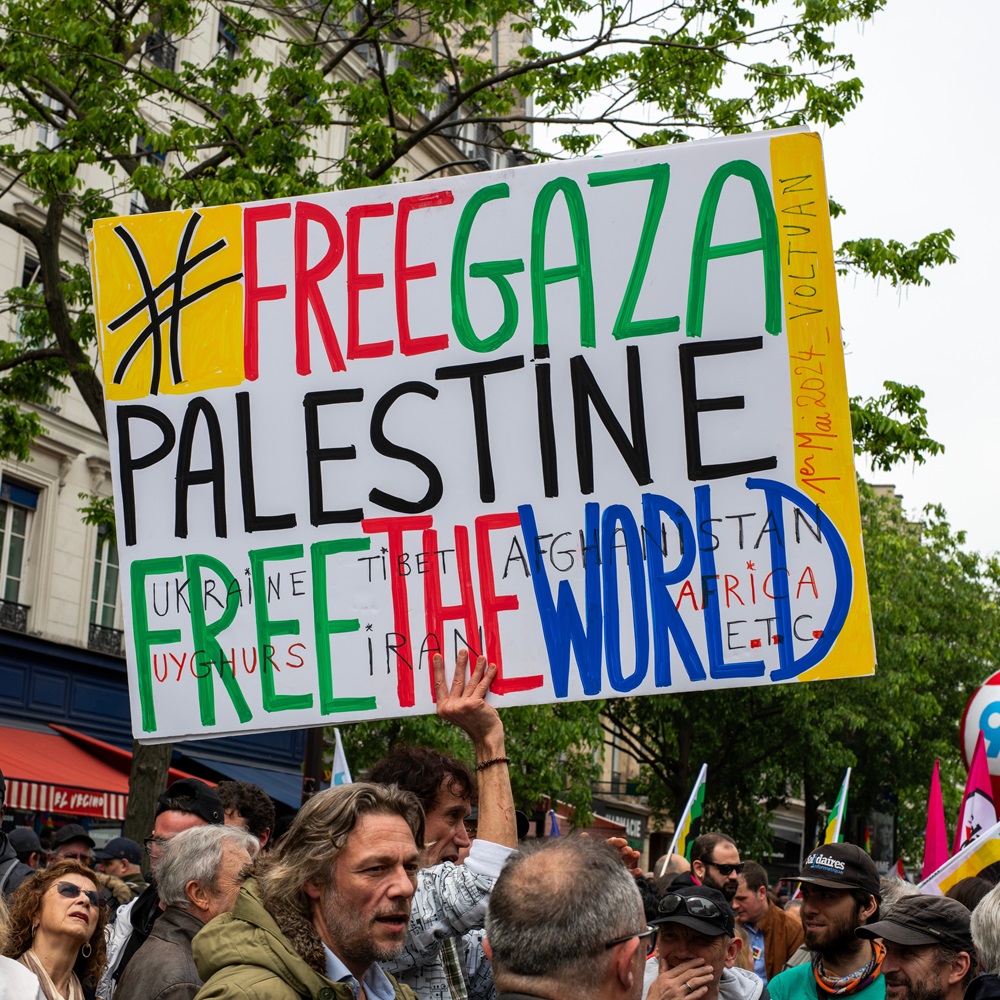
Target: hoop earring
{"type": "Point", "coordinates": [34, 927]}
{"type": "Point", "coordinates": [86, 950]}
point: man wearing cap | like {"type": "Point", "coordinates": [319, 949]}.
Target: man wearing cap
{"type": "Point", "coordinates": [715, 861]}
{"type": "Point", "coordinates": [72, 843]}
{"type": "Point", "coordinates": [929, 954]}
{"type": "Point", "coordinates": [12, 871]}
{"type": "Point", "coordinates": [29, 849]}
{"type": "Point", "coordinates": [121, 858]}
{"type": "Point", "coordinates": [840, 893]}
{"type": "Point", "coordinates": [185, 804]}
{"type": "Point", "coordinates": [696, 944]}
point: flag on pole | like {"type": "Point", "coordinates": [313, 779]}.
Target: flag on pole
{"type": "Point", "coordinates": [836, 818]}
{"type": "Point", "coordinates": [341, 773]}
{"type": "Point", "coordinates": [935, 835]}
{"type": "Point", "coordinates": [689, 825]}
{"type": "Point", "coordinates": [982, 851]}
{"type": "Point", "coordinates": [977, 812]}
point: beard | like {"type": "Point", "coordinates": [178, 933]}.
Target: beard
{"type": "Point", "coordinates": [918, 991]}
{"type": "Point", "coordinates": [353, 933]}
{"type": "Point", "coordinates": [836, 938]}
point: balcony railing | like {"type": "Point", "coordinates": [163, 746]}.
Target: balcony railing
{"type": "Point", "coordinates": [105, 640]}
{"type": "Point", "coordinates": [14, 616]}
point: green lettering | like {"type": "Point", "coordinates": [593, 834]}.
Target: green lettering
{"type": "Point", "coordinates": [659, 174]}
{"type": "Point", "coordinates": [268, 628]}
{"type": "Point", "coordinates": [767, 243]}
{"type": "Point", "coordinates": [581, 271]}
{"type": "Point", "coordinates": [143, 636]}
{"type": "Point", "coordinates": [204, 636]}
{"type": "Point", "coordinates": [326, 626]}
{"type": "Point", "coordinates": [494, 270]}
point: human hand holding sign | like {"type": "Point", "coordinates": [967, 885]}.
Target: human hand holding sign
{"type": "Point", "coordinates": [463, 703]}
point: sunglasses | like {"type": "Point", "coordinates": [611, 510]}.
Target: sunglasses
{"type": "Point", "coordinates": [72, 891]}
{"type": "Point", "coordinates": [728, 869]}
{"type": "Point", "coordinates": [648, 932]}
{"type": "Point", "coordinates": [695, 906]}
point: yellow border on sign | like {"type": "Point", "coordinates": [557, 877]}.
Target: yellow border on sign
{"type": "Point", "coordinates": [821, 418]}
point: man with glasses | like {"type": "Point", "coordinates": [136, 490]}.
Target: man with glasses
{"type": "Point", "coordinates": [715, 862]}
{"type": "Point", "coordinates": [565, 922]}
{"type": "Point", "coordinates": [185, 804]}
{"type": "Point", "coordinates": [840, 893]}
{"type": "Point", "coordinates": [696, 945]}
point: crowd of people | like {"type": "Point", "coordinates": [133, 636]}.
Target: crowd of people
{"type": "Point", "coordinates": [377, 891]}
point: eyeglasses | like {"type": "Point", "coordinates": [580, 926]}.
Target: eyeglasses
{"type": "Point", "coordinates": [152, 842]}
{"type": "Point", "coordinates": [728, 869]}
{"type": "Point", "coordinates": [695, 906]}
{"type": "Point", "coordinates": [649, 931]}
{"type": "Point", "coordinates": [84, 858]}
{"type": "Point", "coordinates": [71, 891]}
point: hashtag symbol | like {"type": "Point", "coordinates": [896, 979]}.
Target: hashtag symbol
{"type": "Point", "coordinates": [153, 331]}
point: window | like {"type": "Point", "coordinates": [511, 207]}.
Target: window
{"type": "Point", "coordinates": [227, 45]}
{"type": "Point", "coordinates": [48, 133]}
{"type": "Point", "coordinates": [161, 51]}
{"type": "Point", "coordinates": [17, 505]}
{"type": "Point", "coordinates": [104, 590]}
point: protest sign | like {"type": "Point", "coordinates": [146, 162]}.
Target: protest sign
{"type": "Point", "coordinates": [588, 418]}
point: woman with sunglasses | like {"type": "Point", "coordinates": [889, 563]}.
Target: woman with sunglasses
{"type": "Point", "coordinates": [56, 930]}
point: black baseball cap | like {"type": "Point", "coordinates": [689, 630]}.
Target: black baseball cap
{"type": "Point", "coordinates": [918, 920]}
{"type": "Point", "coordinates": [193, 796]}
{"type": "Point", "coordinates": [72, 831]}
{"type": "Point", "coordinates": [699, 907]}
{"type": "Point", "coordinates": [121, 848]}
{"type": "Point", "coordinates": [24, 840]}
{"type": "Point", "coordinates": [841, 866]}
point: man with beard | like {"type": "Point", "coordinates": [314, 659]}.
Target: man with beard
{"type": "Point", "coordinates": [840, 893]}
{"type": "Point", "coordinates": [715, 862]}
{"type": "Point", "coordinates": [329, 903]}
{"type": "Point", "coordinates": [929, 954]}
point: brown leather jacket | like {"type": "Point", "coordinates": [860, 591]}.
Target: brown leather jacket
{"type": "Point", "coordinates": [782, 935]}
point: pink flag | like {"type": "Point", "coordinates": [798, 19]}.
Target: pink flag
{"type": "Point", "coordinates": [978, 812]}
{"type": "Point", "coordinates": [936, 837]}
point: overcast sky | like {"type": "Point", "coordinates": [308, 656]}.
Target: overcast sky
{"type": "Point", "coordinates": [919, 156]}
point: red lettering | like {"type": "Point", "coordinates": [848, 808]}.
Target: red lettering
{"type": "Point", "coordinates": [731, 588]}
{"type": "Point", "coordinates": [687, 590]}
{"type": "Point", "coordinates": [307, 279]}
{"type": "Point", "coordinates": [807, 580]}
{"type": "Point", "coordinates": [297, 656]}
{"type": "Point", "coordinates": [494, 603]}
{"type": "Point", "coordinates": [409, 345]}
{"type": "Point", "coordinates": [394, 527]}
{"type": "Point", "coordinates": [253, 292]}
{"type": "Point", "coordinates": [435, 613]}
{"type": "Point", "coordinates": [358, 282]}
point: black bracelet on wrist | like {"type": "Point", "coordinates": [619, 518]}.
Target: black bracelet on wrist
{"type": "Point", "coordinates": [493, 760]}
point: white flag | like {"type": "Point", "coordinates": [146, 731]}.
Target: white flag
{"type": "Point", "coordinates": [341, 772]}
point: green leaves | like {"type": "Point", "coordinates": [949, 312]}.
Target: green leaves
{"type": "Point", "coordinates": [892, 428]}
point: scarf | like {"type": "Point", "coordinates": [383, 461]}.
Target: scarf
{"type": "Point", "coordinates": [853, 982]}
{"type": "Point", "coordinates": [30, 961]}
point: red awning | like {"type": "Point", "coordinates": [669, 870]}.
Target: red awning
{"type": "Point", "coordinates": [47, 772]}
{"type": "Point", "coordinates": [67, 772]}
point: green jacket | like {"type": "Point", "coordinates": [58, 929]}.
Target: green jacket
{"type": "Point", "coordinates": [250, 955]}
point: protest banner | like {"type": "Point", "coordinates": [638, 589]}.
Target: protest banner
{"type": "Point", "coordinates": [588, 418]}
